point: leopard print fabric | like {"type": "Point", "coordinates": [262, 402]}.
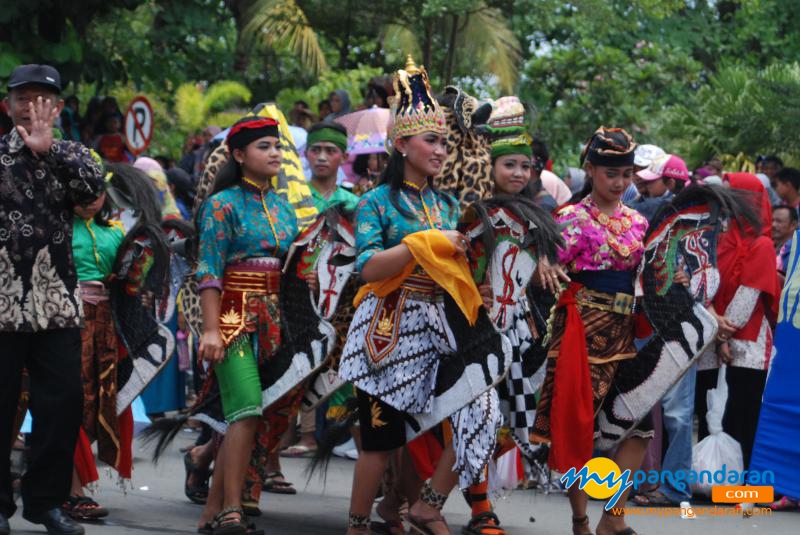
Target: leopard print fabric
{"type": "Point", "coordinates": [467, 171]}
{"type": "Point", "coordinates": [215, 161]}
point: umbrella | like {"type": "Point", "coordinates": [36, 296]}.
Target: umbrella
{"type": "Point", "coordinates": [366, 130]}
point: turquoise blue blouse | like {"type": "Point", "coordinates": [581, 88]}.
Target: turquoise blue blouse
{"type": "Point", "coordinates": [234, 226]}
{"type": "Point", "coordinates": [380, 226]}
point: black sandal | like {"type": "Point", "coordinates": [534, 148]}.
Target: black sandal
{"type": "Point", "coordinates": [654, 498]}
{"type": "Point", "coordinates": [624, 531]}
{"type": "Point", "coordinates": [198, 493]}
{"type": "Point", "coordinates": [579, 521]}
{"type": "Point", "coordinates": [83, 509]}
{"type": "Point", "coordinates": [483, 521]}
{"type": "Point", "coordinates": [228, 525]}
{"type": "Point", "coordinates": [276, 486]}
{"type": "Point", "coordinates": [251, 508]}
{"type": "Point", "coordinates": [380, 527]}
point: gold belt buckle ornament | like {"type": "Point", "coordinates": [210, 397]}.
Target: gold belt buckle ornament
{"type": "Point", "coordinates": [623, 303]}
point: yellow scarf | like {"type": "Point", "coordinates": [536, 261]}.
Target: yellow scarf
{"type": "Point", "coordinates": [436, 255]}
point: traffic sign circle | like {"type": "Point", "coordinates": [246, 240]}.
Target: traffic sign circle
{"type": "Point", "coordinates": [138, 125]}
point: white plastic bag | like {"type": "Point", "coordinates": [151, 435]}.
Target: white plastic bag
{"type": "Point", "coordinates": [718, 448]}
{"type": "Point", "coordinates": [503, 474]}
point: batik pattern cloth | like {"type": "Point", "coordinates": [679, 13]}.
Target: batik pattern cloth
{"type": "Point", "coordinates": [396, 343]}
{"type": "Point", "coordinates": [595, 242]}
{"type": "Point", "coordinates": [38, 281]}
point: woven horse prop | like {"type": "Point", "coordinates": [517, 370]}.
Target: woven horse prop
{"type": "Point", "coordinates": [507, 237]}
{"type": "Point", "coordinates": [683, 235]}
{"type": "Point", "coordinates": [329, 249]}
{"type": "Point", "coordinates": [143, 288]}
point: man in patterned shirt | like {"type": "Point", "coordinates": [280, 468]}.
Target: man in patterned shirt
{"type": "Point", "coordinates": [41, 180]}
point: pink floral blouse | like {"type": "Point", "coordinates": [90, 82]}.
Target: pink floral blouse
{"type": "Point", "coordinates": [595, 241]}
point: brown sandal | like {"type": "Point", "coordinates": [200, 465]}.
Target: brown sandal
{"type": "Point", "coordinates": [420, 525]}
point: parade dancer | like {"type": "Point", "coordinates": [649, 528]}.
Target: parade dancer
{"type": "Point", "coordinates": [245, 228]}
{"type": "Point", "coordinates": [511, 220]}
{"type": "Point", "coordinates": [401, 337]}
{"type": "Point", "coordinates": [95, 241]}
{"type": "Point", "coordinates": [593, 324]}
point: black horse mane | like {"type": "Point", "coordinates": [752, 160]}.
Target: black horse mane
{"type": "Point", "coordinates": [138, 190]}
{"type": "Point", "coordinates": [723, 202]}
{"type": "Point", "coordinates": [545, 238]}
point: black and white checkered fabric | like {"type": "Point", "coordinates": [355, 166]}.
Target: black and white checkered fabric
{"type": "Point", "coordinates": [525, 377]}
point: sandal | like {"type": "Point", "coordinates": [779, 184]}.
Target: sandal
{"type": "Point", "coordinates": [485, 523]}
{"type": "Point", "coordinates": [386, 528]}
{"type": "Point", "coordinates": [653, 498]}
{"type": "Point", "coordinates": [433, 499]}
{"type": "Point", "coordinates": [420, 525]}
{"type": "Point", "coordinates": [276, 486]}
{"type": "Point", "coordinates": [229, 525]}
{"type": "Point", "coordinates": [784, 504]}
{"type": "Point", "coordinates": [83, 508]}
{"type": "Point", "coordinates": [624, 531]}
{"type": "Point", "coordinates": [251, 508]}
{"type": "Point", "coordinates": [198, 493]}
{"type": "Point", "coordinates": [578, 521]}
{"type": "Point", "coordinates": [298, 451]}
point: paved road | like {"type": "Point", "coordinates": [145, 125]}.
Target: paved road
{"type": "Point", "coordinates": [157, 505]}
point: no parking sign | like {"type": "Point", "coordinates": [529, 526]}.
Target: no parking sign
{"type": "Point", "coordinates": [138, 125]}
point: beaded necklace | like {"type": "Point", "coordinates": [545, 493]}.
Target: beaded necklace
{"type": "Point", "coordinates": [264, 206]}
{"type": "Point", "coordinates": [413, 187]}
{"type": "Point", "coordinates": [616, 225]}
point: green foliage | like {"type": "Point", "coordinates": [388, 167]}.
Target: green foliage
{"type": "Point", "coordinates": [353, 81]}
{"type": "Point", "coordinates": [283, 24]}
{"type": "Point", "coordinates": [195, 105]}
{"type": "Point", "coordinates": [165, 140]}
{"type": "Point", "coordinates": [741, 111]}
{"type": "Point", "coordinates": [665, 69]}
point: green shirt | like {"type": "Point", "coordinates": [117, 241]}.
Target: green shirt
{"type": "Point", "coordinates": [337, 196]}
{"type": "Point", "coordinates": [94, 248]}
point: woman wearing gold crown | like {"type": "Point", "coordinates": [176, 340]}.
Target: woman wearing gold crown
{"type": "Point", "coordinates": [418, 322]}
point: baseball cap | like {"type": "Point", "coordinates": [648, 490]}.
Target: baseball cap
{"type": "Point", "coordinates": [35, 74]}
{"type": "Point", "coordinates": [668, 166]}
{"type": "Point", "coordinates": [645, 154]}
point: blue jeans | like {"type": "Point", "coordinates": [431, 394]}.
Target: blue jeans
{"type": "Point", "coordinates": [678, 407]}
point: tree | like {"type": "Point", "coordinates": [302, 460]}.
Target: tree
{"type": "Point", "coordinates": [742, 110]}
{"type": "Point", "coordinates": [197, 106]}
{"type": "Point", "coordinates": [50, 31]}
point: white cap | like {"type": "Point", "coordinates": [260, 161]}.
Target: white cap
{"type": "Point", "coordinates": [645, 154]}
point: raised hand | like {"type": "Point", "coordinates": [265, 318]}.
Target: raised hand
{"type": "Point", "coordinates": [43, 115]}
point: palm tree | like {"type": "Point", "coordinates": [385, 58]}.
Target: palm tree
{"type": "Point", "coordinates": [282, 24]}
{"type": "Point", "coordinates": [476, 34]}
{"type": "Point", "coordinates": [475, 38]}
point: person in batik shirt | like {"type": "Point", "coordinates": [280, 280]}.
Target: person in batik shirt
{"type": "Point", "coordinates": [41, 181]}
